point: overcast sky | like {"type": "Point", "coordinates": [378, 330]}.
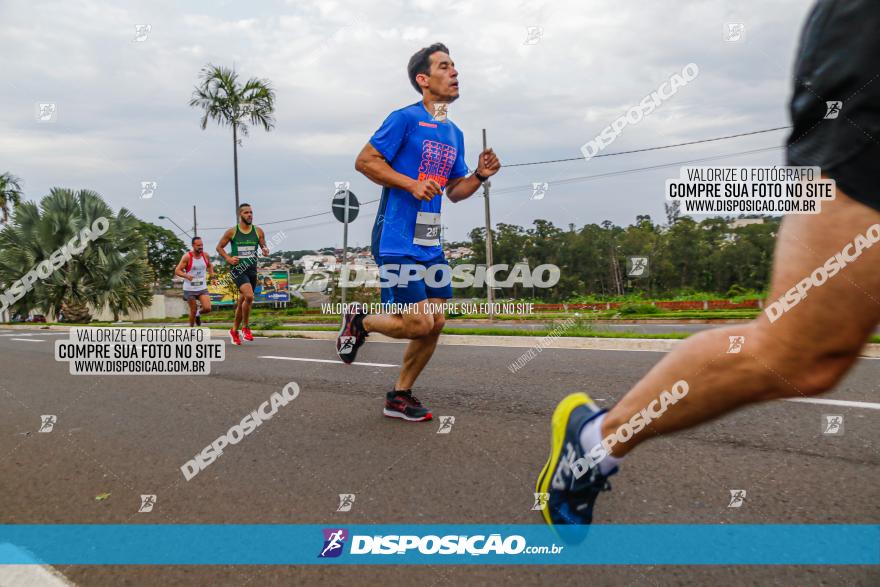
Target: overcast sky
{"type": "Point", "coordinates": [339, 68]}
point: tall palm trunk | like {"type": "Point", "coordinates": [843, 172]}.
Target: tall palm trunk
{"type": "Point", "coordinates": [235, 165]}
{"type": "Point", "coordinates": [76, 312]}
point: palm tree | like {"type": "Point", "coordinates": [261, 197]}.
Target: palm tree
{"type": "Point", "coordinates": [10, 194]}
{"type": "Point", "coordinates": [111, 271]}
{"type": "Point", "coordinates": [224, 100]}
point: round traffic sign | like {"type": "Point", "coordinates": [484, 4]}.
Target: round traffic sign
{"type": "Point", "coordinates": [338, 205]}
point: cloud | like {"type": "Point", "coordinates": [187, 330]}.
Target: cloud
{"type": "Point", "coordinates": [339, 68]}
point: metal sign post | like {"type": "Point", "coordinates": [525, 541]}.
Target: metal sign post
{"type": "Point", "coordinates": [345, 208]}
{"type": "Point", "coordinates": [490, 281]}
{"type": "Point", "coordinates": [345, 247]}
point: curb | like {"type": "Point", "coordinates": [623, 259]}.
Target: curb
{"type": "Point", "coordinates": [871, 350]}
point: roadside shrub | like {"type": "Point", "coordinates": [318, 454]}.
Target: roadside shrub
{"type": "Point", "coordinates": [266, 323]}
{"type": "Point", "coordinates": [630, 309]}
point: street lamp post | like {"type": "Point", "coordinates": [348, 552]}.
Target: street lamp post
{"type": "Point", "coordinates": [175, 224]}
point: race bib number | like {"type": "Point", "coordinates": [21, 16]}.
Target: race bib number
{"type": "Point", "coordinates": [198, 283]}
{"type": "Point", "coordinates": [246, 251]}
{"type": "Point", "coordinates": [427, 232]}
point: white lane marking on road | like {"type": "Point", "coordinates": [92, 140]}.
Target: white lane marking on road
{"type": "Point", "coordinates": [30, 572]}
{"type": "Point", "coordinates": [23, 575]}
{"type": "Point", "coordinates": [28, 339]}
{"type": "Point", "coordinates": [829, 402]}
{"type": "Point", "coordinates": [326, 361]}
{"type": "Point", "coordinates": [843, 403]}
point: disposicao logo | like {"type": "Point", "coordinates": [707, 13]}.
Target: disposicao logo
{"type": "Point", "coordinates": [334, 542]}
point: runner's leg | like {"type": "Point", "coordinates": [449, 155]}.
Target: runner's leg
{"type": "Point", "coordinates": [420, 350]}
{"type": "Point", "coordinates": [806, 351]}
{"type": "Point", "coordinates": [243, 309]}
{"type": "Point", "coordinates": [205, 301]}
{"type": "Point", "coordinates": [192, 311]}
{"type": "Point", "coordinates": [412, 325]}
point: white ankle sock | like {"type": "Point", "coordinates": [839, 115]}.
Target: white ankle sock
{"type": "Point", "coordinates": [591, 435]}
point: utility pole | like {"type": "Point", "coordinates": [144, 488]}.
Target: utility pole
{"type": "Point", "coordinates": [490, 278]}
{"type": "Point", "coordinates": [235, 164]}
{"type": "Point", "coordinates": [615, 272]}
{"type": "Point", "coordinates": [345, 248]}
{"type": "Point", "coordinates": [195, 224]}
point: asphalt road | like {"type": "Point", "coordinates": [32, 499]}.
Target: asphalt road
{"type": "Point", "coordinates": [129, 436]}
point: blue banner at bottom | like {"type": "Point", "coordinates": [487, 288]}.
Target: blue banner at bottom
{"type": "Point", "coordinates": [382, 544]}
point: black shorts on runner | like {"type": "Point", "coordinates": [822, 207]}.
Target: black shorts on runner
{"type": "Point", "coordinates": [246, 275]}
{"type": "Point", "coordinates": [839, 62]}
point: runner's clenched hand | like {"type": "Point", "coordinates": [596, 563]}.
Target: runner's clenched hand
{"type": "Point", "coordinates": [426, 190]}
{"type": "Point", "coordinates": [489, 164]}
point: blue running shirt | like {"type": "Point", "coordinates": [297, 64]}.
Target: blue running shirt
{"type": "Point", "coordinates": [420, 147]}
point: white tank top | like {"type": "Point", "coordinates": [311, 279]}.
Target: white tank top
{"type": "Point", "coordinates": [198, 270]}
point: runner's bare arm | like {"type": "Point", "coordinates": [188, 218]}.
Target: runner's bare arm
{"type": "Point", "coordinates": [221, 246]}
{"type": "Point", "coordinates": [462, 188]}
{"type": "Point", "coordinates": [373, 165]}
{"type": "Point", "coordinates": [179, 270]}
{"type": "Point", "coordinates": [262, 237]}
{"type": "Point", "coordinates": [209, 265]}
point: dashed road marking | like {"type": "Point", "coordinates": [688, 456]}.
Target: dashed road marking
{"type": "Point", "coordinates": [326, 361]}
{"type": "Point", "coordinates": [841, 403]}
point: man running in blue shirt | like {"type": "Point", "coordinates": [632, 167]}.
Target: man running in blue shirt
{"type": "Point", "coordinates": [416, 155]}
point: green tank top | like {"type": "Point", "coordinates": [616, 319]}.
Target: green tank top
{"type": "Point", "coordinates": [244, 245]}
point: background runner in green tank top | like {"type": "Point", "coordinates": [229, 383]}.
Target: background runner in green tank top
{"type": "Point", "coordinates": [244, 246]}
{"type": "Point", "coordinates": [245, 238]}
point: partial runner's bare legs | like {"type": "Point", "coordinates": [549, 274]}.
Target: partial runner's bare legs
{"type": "Point", "coordinates": [205, 301]}
{"type": "Point", "coordinates": [243, 307]}
{"type": "Point", "coordinates": [806, 351]}
{"type": "Point", "coordinates": [421, 326]}
{"type": "Point", "coordinates": [192, 311]}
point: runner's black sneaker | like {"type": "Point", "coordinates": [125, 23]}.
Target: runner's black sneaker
{"type": "Point", "coordinates": [403, 405]}
{"type": "Point", "coordinates": [570, 496]}
{"type": "Point", "coordinates": [352, 334]}
{"type": "Point", "coordinates": [198, 319]}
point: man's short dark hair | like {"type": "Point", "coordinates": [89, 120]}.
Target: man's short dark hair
{"type": "Point", "coordinates": [245, 205]}
{"type": "Point", "coordinates": [421, 63]}
{"type": "Point", "coordinates": [196, 238]}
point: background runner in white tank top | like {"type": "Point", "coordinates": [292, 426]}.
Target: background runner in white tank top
{"type": "Point", "coordinates": [199, 272]}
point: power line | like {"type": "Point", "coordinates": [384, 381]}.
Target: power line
{"type": "Point", "coordinates": [744, 134]}
{"type": "Point", "coordinates": [316, 214]}
{"type": "Point", "coordinates": [637, 169]}
{"type": "Point", "coordinates": [599, 175]}
{"type": "Point", "coordinates": [576, 179]}
{"type": "Point", "coordinates": [530, 187]}
{"type": "Point", "coordinates": [566, 181]}
{"type": "Point", "coordinates": [305, 226]}
{"type": "Point", "coordinates": [558, 182]}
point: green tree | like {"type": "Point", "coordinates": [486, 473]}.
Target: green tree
{"type": "Point", "coordinates": [224, 100]}
{"type": "Point", "coordinates": [10, 195]}
{"type": "Point", "coordinates": [164, 250]}
{"type": "Point", "coordinates": [686, 256]}
{"type": "Point", "coordinates": [111, 270]}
